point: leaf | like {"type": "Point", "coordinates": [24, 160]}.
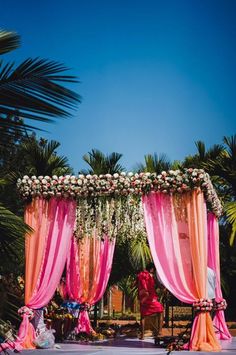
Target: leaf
{"type": "Point", "coordinates": [8, 41]}
{"type": "Point", "coordinates": [34, 89]}
{"type": "Point", "coordinates": [230, 210]}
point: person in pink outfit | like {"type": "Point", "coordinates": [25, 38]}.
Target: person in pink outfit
{"type": "Point", "coordinates": [151, 310]}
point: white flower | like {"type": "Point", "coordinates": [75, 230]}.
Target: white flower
{"type": "Point", "coordinates": [130, 174]}
{"type": "Point", "coordinates": [55, 177]}
{"type": "Point", "coordinates": [33, 177]}
{"type": "Point", "coordinates": [47, 177]}
{"type": "Point", "coordinates": [81, 176]}
{"type": "Point", "coordinates": [116, 176]}
{"type": "Point", "coordinates": [88, 176]}
{"type": "Point", "coordinates": [123, 173]}
{"type": "Point", "coordinates": [44, 181]}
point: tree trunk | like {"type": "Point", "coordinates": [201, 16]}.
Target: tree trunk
{"type": "Point", "coordinates": [123, 303]}
{"type": "Point", "coordinates": [101, 308]}
{"type": "Point", "coordinates": [109, 301]}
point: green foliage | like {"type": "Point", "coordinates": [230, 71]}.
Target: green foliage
{"type": "Point", "coordinates": [139, 252]}
{"type": "Point", "coordinates": [42, 158]}
{"type": "Point", "coordinates": [102, 164]}
{"type": "Point", "coordinates": [154, 164]}
{"type": "Point", "coordinates": [12, 231]}
{"type": "Point", "coordinates": [8, 41]}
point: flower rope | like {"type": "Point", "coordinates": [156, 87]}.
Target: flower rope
{"type": "Point", "coordinates": [203, 305]}
{"type": "Point", "coordinates": [124, 184]}
{"type": "Point", "coordinates": [220, 305]}
{"type": "Point", "coordinates": [26, 310]}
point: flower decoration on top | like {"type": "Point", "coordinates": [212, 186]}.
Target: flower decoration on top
{"type": "Point", "coordinates": [203, 305]}
{"type": "Point", "coordinates": [123, 184]}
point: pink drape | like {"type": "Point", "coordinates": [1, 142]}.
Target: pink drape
{"type": "Point", "coordinates": [214, 264]}
{"type": "Point", "coordinates": [177, 234]}
{"type": "Point", "coordinates": [88, 269]}
{"type": "Point", "coordinates": [47, 248]}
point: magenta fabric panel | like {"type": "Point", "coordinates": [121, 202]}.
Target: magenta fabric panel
{"type": "Point", "coordinates": [219, 322]}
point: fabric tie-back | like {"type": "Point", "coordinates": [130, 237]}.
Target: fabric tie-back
{"type": "Point", "coordinates": [177, 234]}
{"type": "Point", "coordinates": [88, 269]}
{"type": "Point", "coordinates": [46, 250]}
{"type": "Point", "coordinates": [214, 264]}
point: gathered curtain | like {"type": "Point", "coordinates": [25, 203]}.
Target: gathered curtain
{"type": "Point", "coordinates": [89, 266]}
{"type": "Point", "coordinates": [177, 234]}
{"type": "Point", "coordinates": [46, 250]}
{"type": "Point", "coordinates": [214, 263]}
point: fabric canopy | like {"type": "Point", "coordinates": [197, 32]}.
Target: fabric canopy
{"type": "Point", "coordinates": [88, 269]}
{"type": "Point", "coordinates": [46, 250]}
{"type": "Point", "coordinates": [177, 234]}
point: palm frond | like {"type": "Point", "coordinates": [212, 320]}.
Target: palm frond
{"type": "Point", "coordinates": [33, 90]}
{"type": "Point", "coordinates": [8, 41]}
{"type": "Point", "coordinates": [139, 253]}
{"type": "Point", "coordinates": [230, 210]}
{"type": "Point", "coordinates": [102, 164]}
{"type": "Point", "coordinates": [201, 149]}
{"type": "Point", "coordinates": [42, 157]}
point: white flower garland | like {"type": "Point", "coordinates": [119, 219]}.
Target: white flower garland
{"type": "Point", "coordinates": [124, 184]}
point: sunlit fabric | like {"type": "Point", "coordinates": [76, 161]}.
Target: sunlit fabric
{"type": "Point", "coordinates": [214, 263]}
{"type": "Point", "coordinates": [177, 234]}
{"type": "Point", "coordinates": [88, 269]}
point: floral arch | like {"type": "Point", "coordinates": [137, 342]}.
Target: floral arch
{"type": "Point", "coordinates": [75, 220]}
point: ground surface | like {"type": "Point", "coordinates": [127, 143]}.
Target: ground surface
{"type": "Point", "coordinates": [123, 346]}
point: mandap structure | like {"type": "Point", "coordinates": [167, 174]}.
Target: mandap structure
{"type": "Point", "coordinates": [76, 220]}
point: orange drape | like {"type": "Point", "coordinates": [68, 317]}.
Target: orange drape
{"type": "Point", "coordinates": [204, 338]}
{"type": "Point", "coordinates": [36, 211]}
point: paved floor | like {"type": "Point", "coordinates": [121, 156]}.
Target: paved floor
{"type": "Point", "coordinates": [122, 346]}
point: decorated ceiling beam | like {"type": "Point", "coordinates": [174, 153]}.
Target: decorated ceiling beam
{"type": "Point", "coordinates": [123, 184]}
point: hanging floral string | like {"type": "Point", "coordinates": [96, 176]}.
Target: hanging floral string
{"type": "Point", "coordinates": [117, 217]}
{"type": "Point", "coordinates": [124, 184]}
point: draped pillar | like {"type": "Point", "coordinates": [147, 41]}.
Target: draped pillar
{"type": "Point", "coordinates": [214, 264]}
{"type": "Point", "coordinates": [88, 269]}
{"type": "Point", "coordinates": [46, 250]}
{"type": "Point", "coordinates": [177, 234]}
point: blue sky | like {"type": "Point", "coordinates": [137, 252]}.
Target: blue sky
{"type": "Point", "coordinates": [155, 75]}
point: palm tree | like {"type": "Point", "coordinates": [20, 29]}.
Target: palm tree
{"type": "Point", "coordinates": [224, 167]}
{"type": "Point", "coordinates": [129, 290]}
{"type": "Point", "coordinates": [32, 90]}
{"type": "Point", "coordinates": [154, 164]}
{"type": "Point", "coordinates": [203, 155]}
{"type": "Point", "coordinates": [42, 158]}
{"type": "Point", "coordinates": [102, 164]}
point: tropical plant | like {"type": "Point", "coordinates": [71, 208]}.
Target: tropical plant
{"type": "Point", "coordinates": [42, 158]}
{"type": "Point", "coordinates": [139, 252]}
{"type": "Point", "coordinates": [129, 290]}
{"type": "Point", "coordinates": [102, 164]}
{"type": "Point", "coordinates": [33, 89]}
{"type": "Point", "coordinates": [154, 164]}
